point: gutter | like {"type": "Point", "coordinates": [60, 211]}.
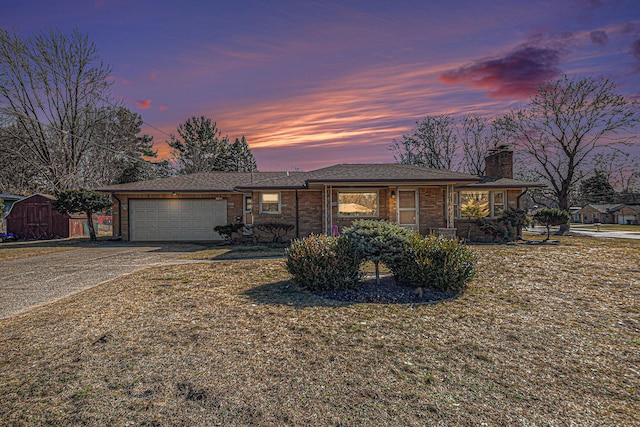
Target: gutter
{"type": "Point", "coordinates": [297, 217]}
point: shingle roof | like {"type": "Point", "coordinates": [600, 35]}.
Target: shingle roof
{"type": "Point", "coordinates": [497, 182]}
{"type": "Point", "coordinates": [10, 197]}
{"type": "Point", "coordinates": [382, 173]}
{"type": "Point", "coordinates": [198, 182]}
{"type": "Point", "coordinates": [363, 173]}
{"type": "Point", "coordinates": [605, 208]}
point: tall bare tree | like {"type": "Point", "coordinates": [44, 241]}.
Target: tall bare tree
{"type": "Point", "coordinates": [566, 122]}
{"type": "Point", "coordinates": [54, 90]}
{"type": "Point", "coordinates": [478, 136]}
{"type": "Point", "coordinates": [432, 143]}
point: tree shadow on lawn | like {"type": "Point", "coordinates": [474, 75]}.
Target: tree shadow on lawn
{"type": "Point", "coordinates": [389, 292]}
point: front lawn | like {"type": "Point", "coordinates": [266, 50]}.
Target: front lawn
{"type": "Point", "coordinates": [544, 335]}
{"type": "Point", "coordinates": [238, 251]}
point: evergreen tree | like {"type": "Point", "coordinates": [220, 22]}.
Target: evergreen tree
{"type": "Point", "coordinates": [82, 200]}
{"type": "Point", "coordinates": [597, 189]}
{"type": "Point", "coordinates": [240, 157]}
{"type": "Point", "coordinates": [201, 148]}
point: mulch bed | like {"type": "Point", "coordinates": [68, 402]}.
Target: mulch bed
{"type": "Point", "coordinates": [387, 292]}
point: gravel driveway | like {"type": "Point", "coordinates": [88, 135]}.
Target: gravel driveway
{"type": "Point", "coordinates": [28, 282]}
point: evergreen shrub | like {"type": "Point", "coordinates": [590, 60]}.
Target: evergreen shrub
{"type": "Point", "coordinates": [378, 241]}
{"type": "Point", "coordinates": [320, 262]}
{"type": "Point", "coordinates": [435, 262]}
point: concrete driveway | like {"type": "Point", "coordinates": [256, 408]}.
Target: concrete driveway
{"type": "Point", "coordinates": [29, 282]}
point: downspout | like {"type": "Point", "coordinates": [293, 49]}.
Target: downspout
{"type": "Point", "coordinates": [297, 217]}
{"type": "Point", "coordinates": [520, 196]}
{"type": "Point", "coordinates": [119, 215]}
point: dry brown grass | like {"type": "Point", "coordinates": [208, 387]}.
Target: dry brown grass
{"type": "Point", "coordinates": [545, 335]}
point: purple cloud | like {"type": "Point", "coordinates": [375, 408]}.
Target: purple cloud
{"type": "Point", "coordinates": [517, 74]}
{"type": "Point", "coordinates": [635, 49]}
{"type": "Point", "coordinates": [599, 38]}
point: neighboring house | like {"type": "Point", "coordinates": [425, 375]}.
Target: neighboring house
{"type": "Point", "coordinates": [628, 214]}
{"type": "Point", "coordinates": [597, 213]}
{"type": "Point", "coordinates": [573, 212]}
{"type": "Point", "coordinates": [8, 200]}
{"type": "Point", "coordinates": [33, 217]}
{"type": "Point", "coordinates": [186, 208]}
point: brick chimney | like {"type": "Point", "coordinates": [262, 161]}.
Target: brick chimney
{"type": "Point", "coordinates": [499, 162]}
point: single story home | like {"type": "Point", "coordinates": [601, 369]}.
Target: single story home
{"type": "Point", "coordinates": [597, 213]}
{"type": "Point", "coordinates": [186, 208]}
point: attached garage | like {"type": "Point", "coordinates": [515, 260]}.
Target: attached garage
{"type": "Point", "coordinates": [626, 219]}
{"type": "Point", "coordinates": [176, 219]}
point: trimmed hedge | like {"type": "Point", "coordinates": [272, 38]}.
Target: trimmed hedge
{"type": "Point", "coordinates": [435, 262]}
{"type": "Point", "coordinates": [319, 262]}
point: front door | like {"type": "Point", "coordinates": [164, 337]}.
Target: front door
{"type": "Point", "coordinates": [408, 208]}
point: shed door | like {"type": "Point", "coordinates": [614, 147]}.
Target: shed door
{"type": "Point", "coordinates": [176, 219]}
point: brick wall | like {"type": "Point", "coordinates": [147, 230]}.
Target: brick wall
{"type": "Point", "coordinates": [432, 202]}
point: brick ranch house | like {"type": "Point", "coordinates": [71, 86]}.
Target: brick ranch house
{"type": "Point", "coordinates": [186, 208]}
{"type": "Point", "coordinates": [607, 214]}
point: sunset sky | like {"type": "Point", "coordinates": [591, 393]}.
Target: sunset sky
{"type": "Point", "coordinates": [314, 83]}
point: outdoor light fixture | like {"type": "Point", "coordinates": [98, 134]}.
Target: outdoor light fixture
{"type": "Point", "coordinates": [393, 194]}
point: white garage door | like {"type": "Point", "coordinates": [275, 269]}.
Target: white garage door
{"type": "Point", "coordinates": [626, 219]}
{"type": "Point", "coordinates": [176, 219]}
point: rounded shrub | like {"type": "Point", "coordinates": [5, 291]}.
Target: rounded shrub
{"type": "Point", "coordinates": [435, 262]}
{"type": "Point", "coordinates": [320, 262]}
{"type": "Point", "coordinates": [378, 241]}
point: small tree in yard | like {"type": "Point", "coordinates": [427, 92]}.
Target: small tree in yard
{"type": "Point", "coordinates": [378, 241]}
{"type": "Point", "coordinates": [551, 216]}
{"type": "Point", "coordinates": [514, 219]}
{"type": "Point", "coordinates": [87, 201]}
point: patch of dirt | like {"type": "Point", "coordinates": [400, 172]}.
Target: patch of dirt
{"type": "Point", "coordinates": [387, 292]}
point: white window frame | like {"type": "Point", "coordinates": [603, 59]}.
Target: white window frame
{"type": "Point", "coordinates": [377, 193]}
{"type": "Point", "coordinates": [492, 212]}
{"type": "Point", "coordinates": [262, 193]}
{"type": "Point", "coordinates": [504, 202]}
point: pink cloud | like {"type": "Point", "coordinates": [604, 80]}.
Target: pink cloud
{"type": "Point", "coordinates": [143, 104]}
{"type": "Point", "coordinates": [163, 108]}
{"type": "Point", "coordinates": [515, 75]}
{"type": "Point", "coordinates": [153, 76]}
